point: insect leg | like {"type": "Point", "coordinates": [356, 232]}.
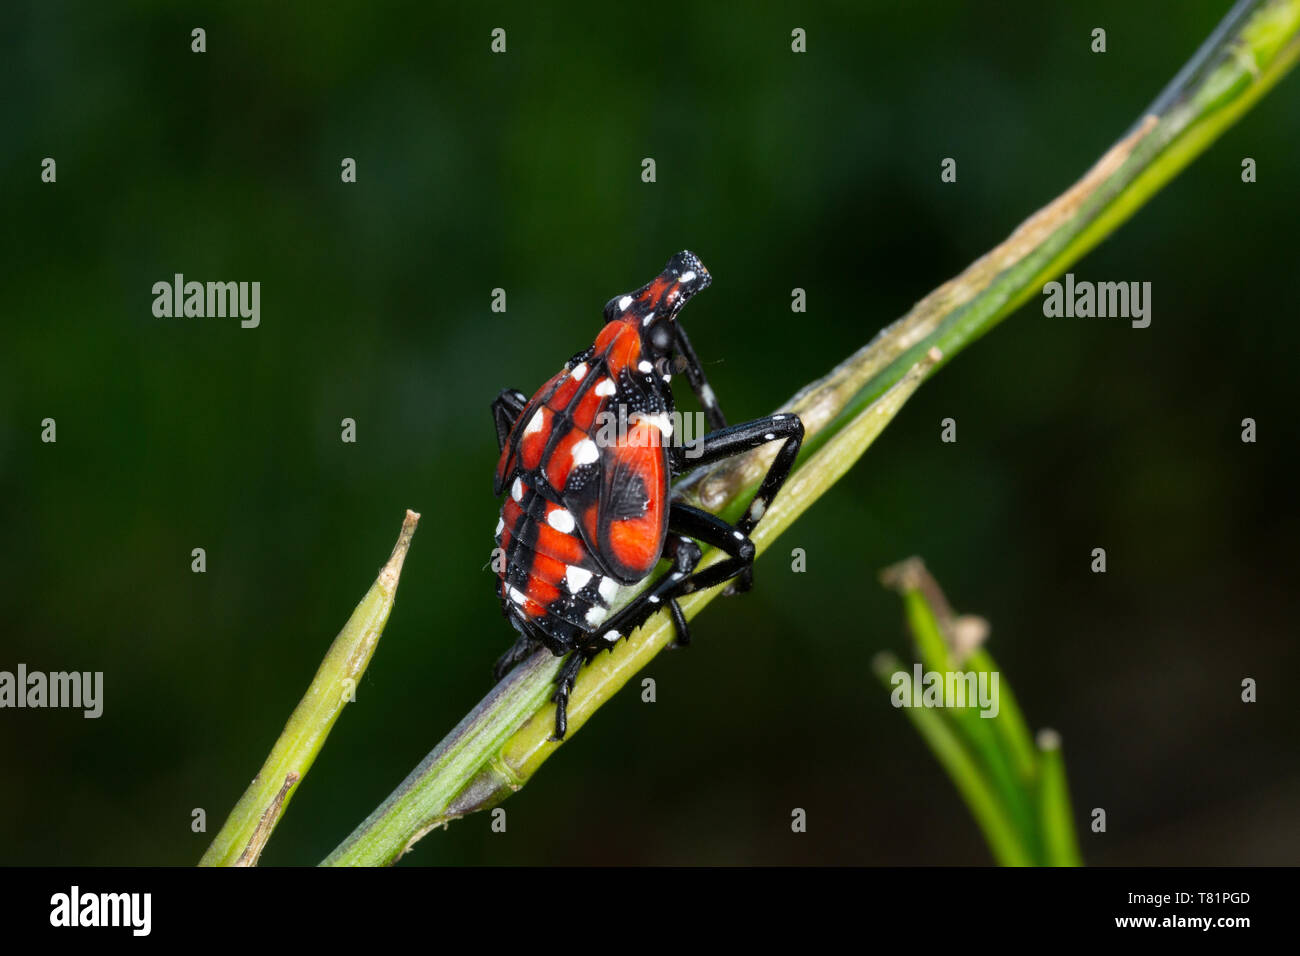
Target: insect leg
{"type": "Point", "coordinates": [712, 530]}
{"type": "Point", "coordinates": [523, 647]}
{"type": "Point", "coordinates": [564, 681]}
{"type": "Point", "coordinates": [661, 592]}
{"type": "Point", "coordinates": [699, 384]}
{"type": "Point", "coordinates": [737, 439]}
{"type": "Point", "coordinates": [679, 625]}
{"type": "Point", "coordinates": [505, 411]}
{"type": "Point", "coordinates": [626, 621]}
{"type": "Point", "coordinates": [687, 524]}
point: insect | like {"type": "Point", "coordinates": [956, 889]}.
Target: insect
{"type": "Point", "coordinates": [588, 509]}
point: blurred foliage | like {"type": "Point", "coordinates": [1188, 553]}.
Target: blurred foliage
{"type": "Point", "coordinates": [522, 172]}
{"type": "Point", "coordinates": [1015, 787]}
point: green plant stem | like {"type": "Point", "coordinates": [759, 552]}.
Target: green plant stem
{"type": "Point", "coordinates": [1010, 725]}
{"type": "Point", "coordinates": [1057, 815]}
{"type": "Point", "coordinates": [482, 761]}
{"type": "Point", "coordinates": [1004, 836]}
{"type": "Point", "coordinates": [508, 736]}
{"type": "Point", "coordinates": [1004, 762]}
{"type": "Point", "coordinates": [249, 826]}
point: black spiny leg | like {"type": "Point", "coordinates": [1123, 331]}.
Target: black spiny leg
{"type": "Point", "coordinates": [666, 587]}
{"type": "Point", "coordinates": [737, 439]}
{"type": "Point", "coordinates": [626, 621]}
{"type": "Point", "coordinates": [523, 647]}
{"type": "Point", "coordinates": [686, 523]}
{"type": "Point", "coordinates": [699, 384]}
{"type": "Point", "coordinates": [679, 625]}
{"type": "Point", "coordinates": [712, 530]}
{"type": "Point", "coordinates": [505, 412]}
{"type": "Point", "coordinates": [564, 681]}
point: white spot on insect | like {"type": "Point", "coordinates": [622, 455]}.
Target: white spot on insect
{"type": "Point", "coordinates": [757, 508]}
{"type": "Point", "coordinates": [579, 371]}
{"type": "Point", "coordinates": [560, 520]}
{"type": "Point", "coordinates": [605, 387]}
{"type": "Point", "coordinates": [501, 523]}
{"type": "Point", "coordinates": [576, 578]}
{"type": "Point", "coordinates": [650, 317]}
{"type": "Point", "coordinates": [518, 596]}
{"type": "Point", "coordinates": [624, 302]}
{"type": "Point", "coordinates": [687, 276]}
{"type": "Point", "coordinates": [517, 490]}
{"type": "Point", "coordinates": [668, 376]}
{"type": "Point", "coordinates": [661, 422]}
{"type": "Point", "coordinates": [535, 423]}
{"type": "Point", "coordinates": [596, 615]}
{"type": "Point", "coordinates": [644, 366]}
{"type": "Point", "coordinates": [612, 636]}
{"type": "Point", "coordinates": [653, 599]}
{"type": "Point", "coordinates": [707, 396]}
{"type": "Point", "coordinates": [585, 452]}
{"type": "Point", "coordinates": [607, 587]}
{"type": "Point", "coordinates": [738, 535]}
{"type": "Point", "coordinates": [768, 437]}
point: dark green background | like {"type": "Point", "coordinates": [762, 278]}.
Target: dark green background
{"type": "Point", "coordinates": [522, 171]}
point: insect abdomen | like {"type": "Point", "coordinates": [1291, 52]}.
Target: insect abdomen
{"type": "Point", "coordinates": [550, 580]}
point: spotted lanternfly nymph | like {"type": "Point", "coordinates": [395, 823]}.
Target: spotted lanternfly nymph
{"type": "Point", "coordinates": [586, 514]}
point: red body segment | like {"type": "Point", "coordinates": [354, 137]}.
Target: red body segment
{"type": "Point", "coordinates": [586, 473]}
